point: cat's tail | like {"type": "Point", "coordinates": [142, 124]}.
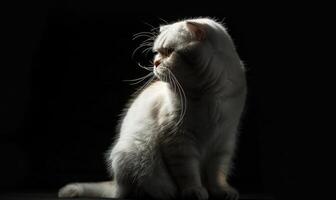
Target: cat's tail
{"type": "Point", "coordinates": [107, 189]}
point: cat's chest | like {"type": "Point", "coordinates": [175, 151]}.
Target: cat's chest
{"type": "Point", "coordinates": [204, 119]}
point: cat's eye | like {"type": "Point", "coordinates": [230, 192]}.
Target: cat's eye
{"type": "Point", "coordinates": [166, 51]}
{"type": "Point", "coordinates": [169, 51]}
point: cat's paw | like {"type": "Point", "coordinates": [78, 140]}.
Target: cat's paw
{"type": "Point", "coordinates": [70, 190]}
{"type": "Point", "coordinates": [197, 193]}
{"type": "Point", "coordinates": [227, 193]}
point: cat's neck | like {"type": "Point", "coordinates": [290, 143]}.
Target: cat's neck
{"type": "Point", "coordinates": [205, 93]}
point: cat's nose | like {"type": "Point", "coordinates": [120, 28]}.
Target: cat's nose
{"type": "Point", "coordinates": [157, 62]}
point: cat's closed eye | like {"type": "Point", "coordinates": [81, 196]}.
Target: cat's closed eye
{"type": "Point", "coordinates": [165, 51]}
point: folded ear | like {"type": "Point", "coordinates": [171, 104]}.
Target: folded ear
{"type": "Point", "coordinates": [197, 29]}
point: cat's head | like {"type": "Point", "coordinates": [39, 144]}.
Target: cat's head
{"type": "Point", "coordinates": [197, 52]}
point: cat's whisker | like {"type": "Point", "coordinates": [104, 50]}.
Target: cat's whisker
{"type": "Point", "coordinates": [139, 80]}
{"type": "Point", "coordinates": [165, 21]}
{"type": "Point", "coordinates": [151, 39]}
{"type": "Point", "coordinates": [148, 24]}
{"type": "Point", "coordinates": [138, 48]}
{"type": "Point", "coordinates": [144, 33]}
{"type": "Point", "coordinates": [152, 27]}
{"type": "Point", "coordinates": [135, 50]}
{"type": "Point", "coordinates": [139, 36]}
{"type": "Point", "coordinates": [147, 50]}
{"type": "Point", "coordinates": [172, 81]}
{"type": "Point", "coordinates": [148, 36]}
{"type": "Point", "coordinates": [145, 85]}
{"type": "Point", "coordinates": [181, 104]}
{"type": "Point", "coordinates": [147, 68]}
{"type": "Point", "coordinates": [183, 99]}
{"type": "Point", "coordinates": [136, 79]}
{"type": "Point", "coordinates": [156, 30]}
{"type": "Point", "coordinates": [164, 78]}
{"type": "Point", "coordinates": [178, 92]}
{"type": "Point", "coordinates": [148, 45]}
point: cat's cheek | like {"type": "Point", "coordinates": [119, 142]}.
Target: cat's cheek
{"type": "Point", "coordinates": [191, 56]}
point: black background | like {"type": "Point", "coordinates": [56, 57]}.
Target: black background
{"type": "Point", "coordinates": [62, 77]}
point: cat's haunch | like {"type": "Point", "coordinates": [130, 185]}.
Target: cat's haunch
{"type": "Point", "coordinates": [178, 135]}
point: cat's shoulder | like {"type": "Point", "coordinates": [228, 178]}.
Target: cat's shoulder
{"type": "Point", "coordinates": [156, 89]}
{"type": "Point", "coordinates": [156, 97]}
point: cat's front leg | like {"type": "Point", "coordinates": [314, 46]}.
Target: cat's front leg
{"type": "Point", "coordinates": [217, 168]}
{"type": "Point", "coordinates": [183, 162]}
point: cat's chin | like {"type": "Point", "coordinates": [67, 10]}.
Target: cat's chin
{"type": "Point", "coordinates": [160, 75]}
{"type": "Point", "coordinates": [157, 76]}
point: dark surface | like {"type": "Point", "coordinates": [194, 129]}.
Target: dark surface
{"type": "Point", "coordinates": [62, 75]}
{"type": "Point", "coordinates": [53, 196]}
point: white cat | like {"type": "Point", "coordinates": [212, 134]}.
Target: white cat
{"type": "Point", "coordinates": [178, 135]}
